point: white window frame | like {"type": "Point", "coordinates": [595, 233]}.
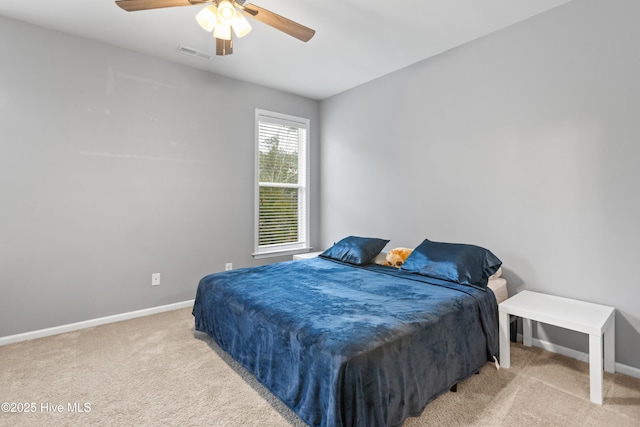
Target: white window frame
{"type": "Point", "coordinates": [302, 245]}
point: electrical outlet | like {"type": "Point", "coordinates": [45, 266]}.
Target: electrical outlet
{"type": "Point", "coordinates": [228, 266]}
{"type": "Point", "coordinates": [155, 279]}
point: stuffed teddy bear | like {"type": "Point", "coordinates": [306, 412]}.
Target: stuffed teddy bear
{"type": "Point", "coordinates": [396, 257]}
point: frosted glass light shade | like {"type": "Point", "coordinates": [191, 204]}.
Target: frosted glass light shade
{"type": "Point", "coordinates": [226, 12]}
{"type": "Point", "coordinates": [207, 18]}
{"type": "Point", "coordinates": [241, 26]}
{"type": "Point", "coordinates": [222, 31]}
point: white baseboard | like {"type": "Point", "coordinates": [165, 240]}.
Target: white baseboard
{"type": "Point", "coordinates": [93, 322]}
{"type": "Point", "coordinates": [584, 357]}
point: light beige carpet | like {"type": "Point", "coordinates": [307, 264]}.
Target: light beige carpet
{"type": "Point", "coordinates": [155, 371]}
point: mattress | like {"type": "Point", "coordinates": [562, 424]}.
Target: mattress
{"type": "Point", "coordinates": [499, 287]}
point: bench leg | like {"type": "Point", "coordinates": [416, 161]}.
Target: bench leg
{"type": "Point", "coordinates": [527, 335]}
{"type": "Point", "coordinates": [595, 368]}
{"type": "Point", "coordinates": [610, 346]}
{"type": "Point", "coordinates": [505, 344]}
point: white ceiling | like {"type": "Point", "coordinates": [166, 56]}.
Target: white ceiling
{"type": "Point", "coordinates": [356, 40]}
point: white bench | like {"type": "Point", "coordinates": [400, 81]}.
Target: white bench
{"type": "Point", "coordinates": [593, 319]}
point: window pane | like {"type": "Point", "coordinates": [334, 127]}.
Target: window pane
{"type": "Point", "coordinates": [278, 220]}
{"type": "Point", "coordinates": [278, 153]}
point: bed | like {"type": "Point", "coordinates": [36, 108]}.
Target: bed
{"type": "Point", "coordinates": [351, 344]}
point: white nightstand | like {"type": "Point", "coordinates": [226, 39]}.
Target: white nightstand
{"type": "Point", "coordinates": [306, 255]}
{"type": "Point", "coordinates": [594, 319]}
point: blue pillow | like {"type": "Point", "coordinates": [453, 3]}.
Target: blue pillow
{"type": "Point", "coordinates": [454, 262]}
{"type": "Point", "coordinates": [355, 250]}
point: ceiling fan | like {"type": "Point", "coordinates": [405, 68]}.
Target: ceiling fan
{"type": "Point", "coordinates": [221, 16]}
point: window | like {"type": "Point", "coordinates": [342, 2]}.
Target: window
{"type": "Point", "coordinates": [282, 199]}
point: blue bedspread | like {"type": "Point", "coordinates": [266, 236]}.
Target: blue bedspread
{"type": "Point", "coordinates": [349, 346]}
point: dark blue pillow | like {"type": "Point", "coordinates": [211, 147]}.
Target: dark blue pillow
{"type": "Point", "coordinates": [454, 262]}
{"type": "Point", "coordinates": [355, 250]}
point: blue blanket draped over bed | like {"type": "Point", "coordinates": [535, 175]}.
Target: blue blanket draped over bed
{"type": "Point", "coordinates": [349, 346]}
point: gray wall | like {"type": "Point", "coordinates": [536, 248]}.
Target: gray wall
{"type": "Point", "coordinates": [115, 165]}
{"type": "Point", "coordinates": [526, 142]}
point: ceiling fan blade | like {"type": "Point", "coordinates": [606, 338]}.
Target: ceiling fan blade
{"type": "Point", "coordinates": [281, 23]}
{"type": "Point", "coordinates": [224, 47]}
{"type": "Point", "coordinates": [133, 5]}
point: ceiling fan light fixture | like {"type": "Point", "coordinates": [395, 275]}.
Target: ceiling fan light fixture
{"type": "Point", "coordinates": [241, 26]}
{"type": "Point", "coordinates": [220, 16]}
{"type": "Point", "coordinates": [222, 31]}
{"type": "Point", "coordinates": [207, 18]}
{"type": "Point", "coordinates": [226, 12]}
